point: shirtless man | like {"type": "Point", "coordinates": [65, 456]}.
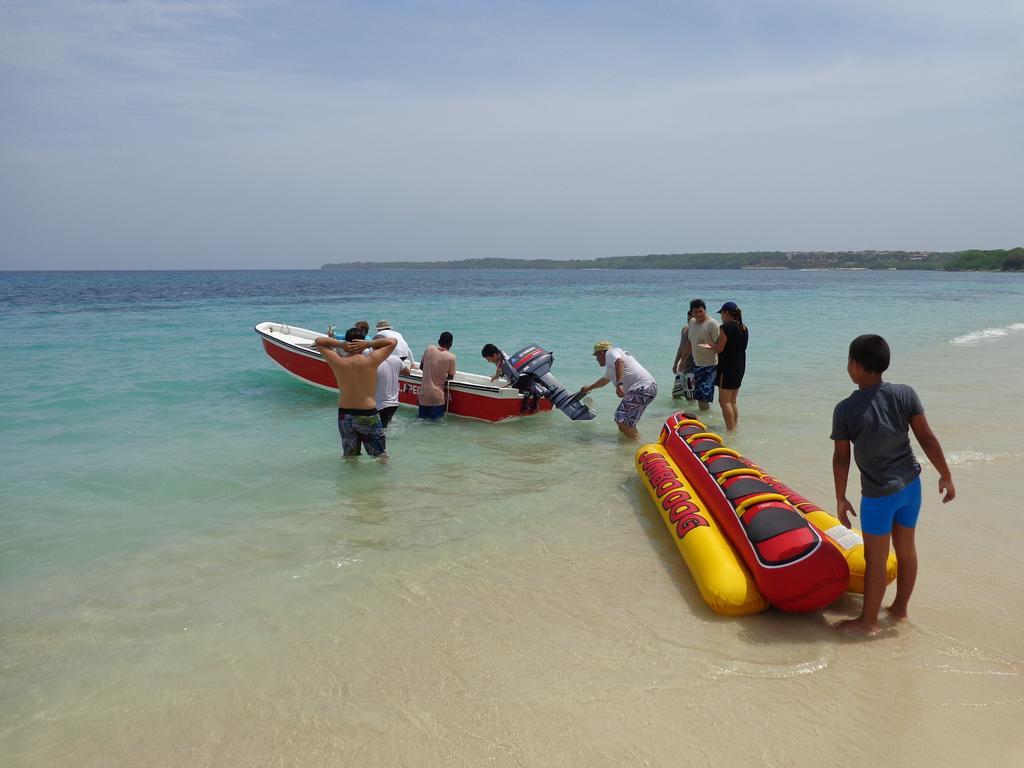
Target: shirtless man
{"type": "Point", "coordinates": [438, 366]}
{"type": "Point", "coordinates": [356, 374]}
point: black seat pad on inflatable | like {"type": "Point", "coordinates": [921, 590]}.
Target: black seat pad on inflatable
{"type": "Point", "coordinates": [771, 521]}
{"type": "Point", "coordinates": [705, 444]}
{"type": "Point", "coordinates": [746, 486]}
{"type": "Point", "coordinates": [689, 429]}
{"type": "Point", "coordinates": [724, 464]}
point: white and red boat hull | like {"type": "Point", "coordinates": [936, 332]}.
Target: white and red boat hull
{"type": "Point", "coordinates": [470, 395]}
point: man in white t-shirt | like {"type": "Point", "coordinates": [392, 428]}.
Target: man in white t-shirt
{"type": "Point", "coordinates": [387, 386]}
{"type": "Point", "coordinates": [702, 334]}
{"type": "Point", "coordinates": [402, 348]}
{"type": "Point", "coordinates": [633, 384]}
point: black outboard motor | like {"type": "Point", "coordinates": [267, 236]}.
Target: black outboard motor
{"type": "Point", "coordinates": [529, 371]}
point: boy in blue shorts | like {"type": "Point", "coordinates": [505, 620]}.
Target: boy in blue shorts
{"type": "Point", "coordinates": [877, 419]}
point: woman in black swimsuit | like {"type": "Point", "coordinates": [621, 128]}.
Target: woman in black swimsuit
{"type": "Point", "coordinates": [732, 361]}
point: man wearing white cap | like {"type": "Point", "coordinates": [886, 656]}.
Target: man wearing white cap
{"type": "Point", "coordinates": [402, 349]}
{"type": "Point", "coordinates": [633, 384]}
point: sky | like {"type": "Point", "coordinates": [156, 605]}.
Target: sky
{"type": "Point", "coordinates": [159, 134]}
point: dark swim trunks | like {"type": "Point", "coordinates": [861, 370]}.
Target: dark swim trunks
{"type": "Point", "coordinates": [432, 412]}
{"type": "Point", "coordinates": [386, 414]}
{"type": "Point", "coordinates": [704, 376]}
{"type": "Point", "coordinates": [359, 427]}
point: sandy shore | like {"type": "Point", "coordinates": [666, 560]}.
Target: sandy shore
{"type": "Point", "coordinates": [571, 653]}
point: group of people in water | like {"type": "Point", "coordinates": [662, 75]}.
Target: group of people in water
{"type": "Point", "coordinates": [368, 372]}
{"type": "Point", "coordinates": [710, 354]}
{"type": "Point", "coordinates": [873, 423]}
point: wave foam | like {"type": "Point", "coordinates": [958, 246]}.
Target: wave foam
{"type": "Point", "coordinates": [986, 333]}
{"type": "Point", "coordinates": [964, 458]}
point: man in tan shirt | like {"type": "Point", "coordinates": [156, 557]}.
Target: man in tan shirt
{"type": "Point", "coordinates": [356, 375]}
{"type": "Point", "coordinates": [702, 332]}
{"type": "Point", "coordinates": [438, 366]}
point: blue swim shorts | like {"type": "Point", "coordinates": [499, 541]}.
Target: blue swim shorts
{"type": "Point", "coordinates": [704, 383]}
{"type": "Point", "coordinates": [432, 412]}
{"type": "Point", "coordinates": [878, 515]}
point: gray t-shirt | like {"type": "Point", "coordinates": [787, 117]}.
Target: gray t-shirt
{"type": "Point", "coordinates": [877, 421]}
{"type": "Point", "coordinates": [703, 333]}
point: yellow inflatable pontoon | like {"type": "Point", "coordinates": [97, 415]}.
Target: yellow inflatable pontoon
{"type": "Point", "coordinates": [723, 581]}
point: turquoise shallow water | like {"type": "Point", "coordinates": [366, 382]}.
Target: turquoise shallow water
{"type": "Point", "coordinates": [161, 475]}
{"type": "Point", "coordinates": [140, 405]}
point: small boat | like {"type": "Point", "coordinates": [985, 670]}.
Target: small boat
{"type": "Point", "coordinates": [470, 395]}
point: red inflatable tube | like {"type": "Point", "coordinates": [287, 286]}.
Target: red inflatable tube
{"type": "Point", "coordinates": [795, 568]}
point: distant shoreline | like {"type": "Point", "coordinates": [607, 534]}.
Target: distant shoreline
{"type": "Point", "coordinates": [944, 261]}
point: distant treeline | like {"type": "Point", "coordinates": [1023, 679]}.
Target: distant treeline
{"type": "Point", "coordinates": [984, 261]}
{"type": "Point", "coordinates": [955, 261]}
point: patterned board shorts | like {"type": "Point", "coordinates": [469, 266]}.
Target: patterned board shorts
{"type": "Point", "coordinates": [705, 376]}
{"type": "Point", "coordinates": [358, 430]}
{"type": "Point", "coordinates": [633, 404]}
{"type": "Point", "coordinates": [683, 385]}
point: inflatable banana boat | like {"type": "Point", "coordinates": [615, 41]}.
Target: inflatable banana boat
{"type": "Point", "coordinates": [847, 541]}
{"type": "Point", "coordinates": [748, 539]}
{"type": "Point", "coordinates": [724, 583]}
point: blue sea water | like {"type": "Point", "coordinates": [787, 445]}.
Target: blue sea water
{"type": "Point", "coordinates": [159, 472]}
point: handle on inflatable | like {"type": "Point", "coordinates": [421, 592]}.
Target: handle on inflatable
{"type": "Point", "coordinates": [737, 473]}
{"type": "Point", "coordinates": [720, 452]}
{"type": "Point", "coordinates": [689, 423]}
{"type": "Point", "coordinates": [761, 498]}
{"type": "Point", "coordinates": [704, 435]}
{"type": "Point", "coordinates": [806, 507]}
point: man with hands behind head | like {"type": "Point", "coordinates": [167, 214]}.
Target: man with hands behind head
{"type": "Point", "coordinates": [358, 422]}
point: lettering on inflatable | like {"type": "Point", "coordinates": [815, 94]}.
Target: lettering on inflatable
{"type": "Point", "coordinates": [672, 494]}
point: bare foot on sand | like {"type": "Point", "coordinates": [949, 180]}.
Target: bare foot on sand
{"type": "Point", "coordinates": [858, 626]}
{"type": "Point", "coordinates": [898, 612]}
